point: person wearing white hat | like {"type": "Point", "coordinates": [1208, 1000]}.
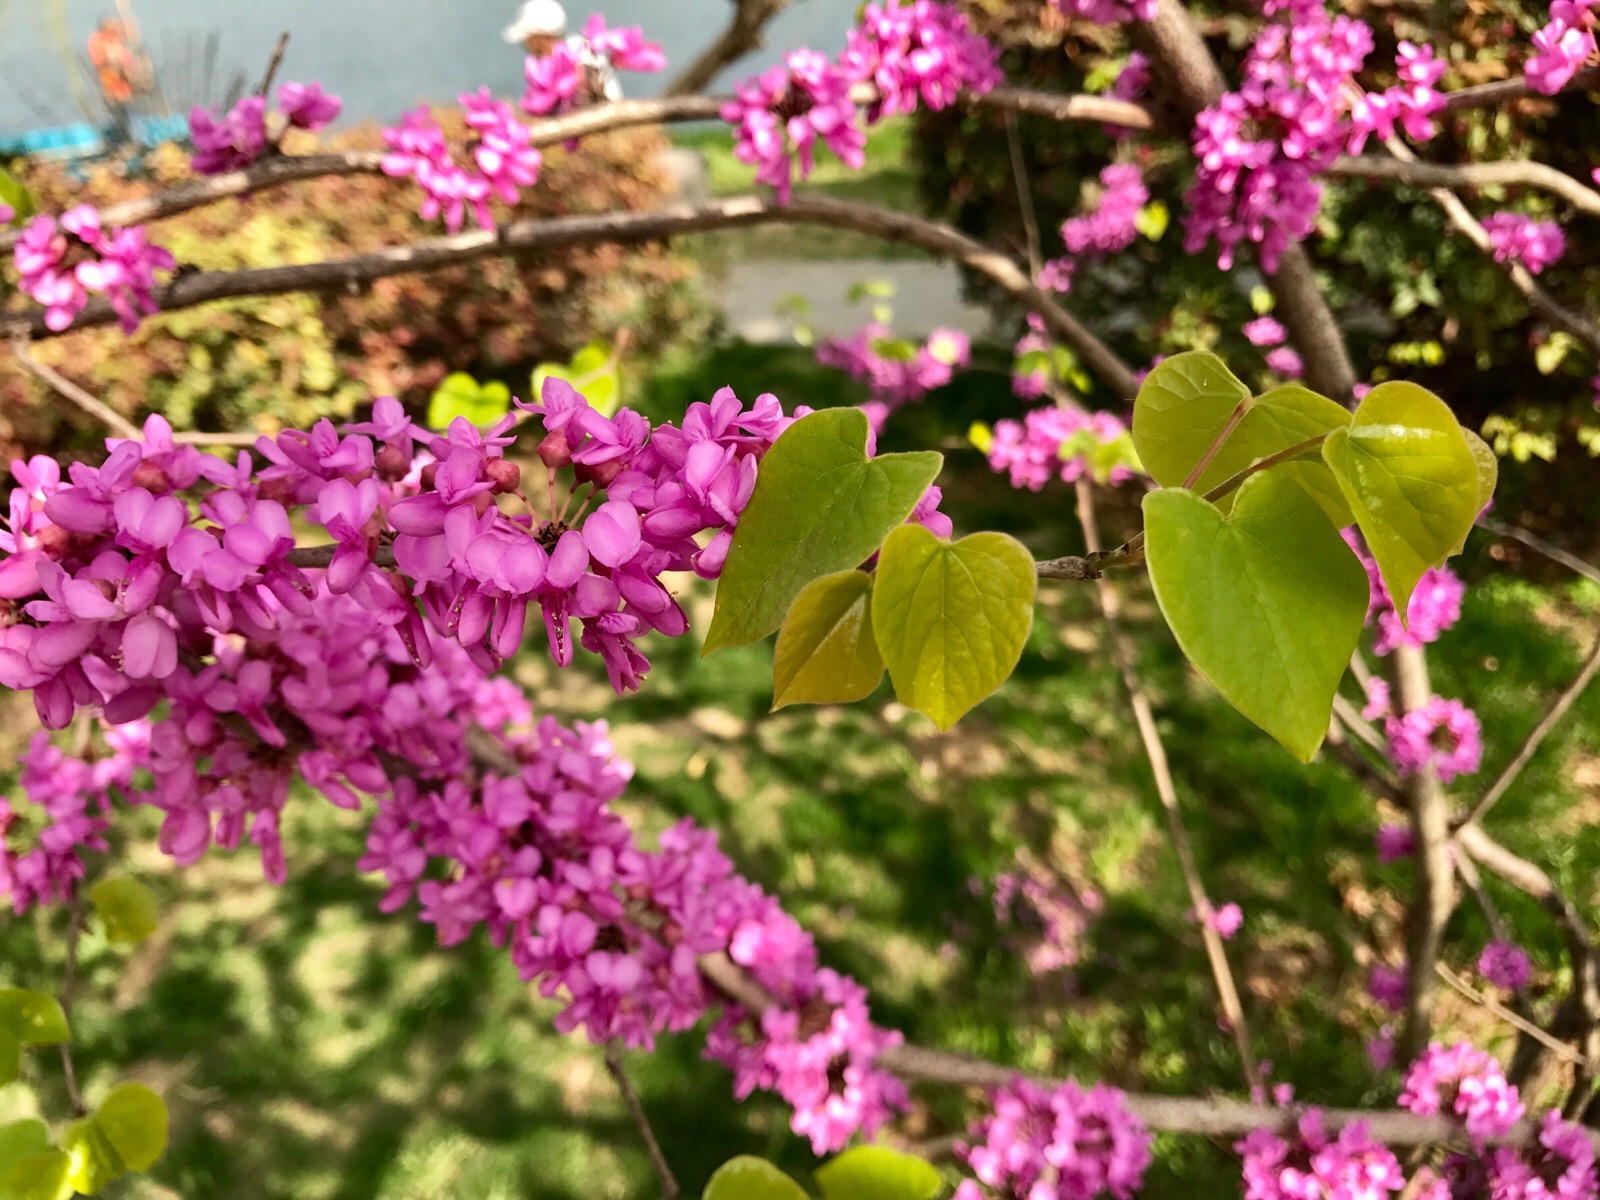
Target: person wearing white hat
{"type": "Point", "coordinates": [541, 25]}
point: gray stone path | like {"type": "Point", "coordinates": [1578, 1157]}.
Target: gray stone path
{"type": "Point", "coordinates": [927, 295]}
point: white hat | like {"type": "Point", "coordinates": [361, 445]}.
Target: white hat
{"type": "Point", "coordinates": [538, 18]}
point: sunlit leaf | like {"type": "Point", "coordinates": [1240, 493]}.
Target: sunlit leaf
{"type": "Point", "coordinates": [133, 1120]}
{"type": "Point", "coordinates": [1182, 405]}
{"type": "Point", "coordinates": [33, 1018]}
{"type": "Point", "coordinates": [819, 506]}
{"type": "Point", "coordinates": [127, 909]}
{"type": "Point", "coordinates": [826, 651]}
{"type": "Point", "coordinates": [1267, 602]}
{"type": "Point", "coordinates": [748, 1178]}
{"type": "Point", "coordinates": [41, 1175]}
{"type": "Point", "coordinates": [877, 1173]}
{"type": "Point", "coordinates": [951, 618]}
{"type": "Point", "coordinates": [93, 1160]}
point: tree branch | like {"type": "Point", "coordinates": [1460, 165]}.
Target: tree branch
{"type": "Point", "coordinates": [1504, 91]}
{"type": "Point", "coordinates": [1122, 655]}
{"type": "Point", "coordinates": [1459, 215]}
{"type": "Point", "coordinates": [526, 236]}
{"type": "Point", "coordinates": [65, 388]}
{"type": "Point", "coordinates": [1478, 174]}
{"type": "Point", "coordinates": [1560, 1049]}
{"type": "Point", "coordinates": [742, 35]}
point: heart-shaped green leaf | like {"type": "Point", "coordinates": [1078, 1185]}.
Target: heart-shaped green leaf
{"type": "Point", "coordinates": [127, 909]}
{"type": "Point", "coordinates": [22, 1137]}
{"type": "Point", "coordinates": [1267, 602]}
{"type": "Point", "coordinates": [877, 1173]}
{"type": "Point", "coordinates": [1488, 476]}
{"type": "Point", "coordinates": [1276, 420]}
{"type": "Point", "coordinates": [1412, 481]}
{"type": "Point", "coordinates": [1183, 404]}
{"type": "Point", "coordinates": [41, 1175]}
{"type": "Point", "coordinates": [33, 1018]}
{"type": "Point", "coordinates": [93, 1161]}
{"type": "Point", "coordinates": [819, 506]}
{"type": "Point", "coordinates": [748, 1178]}
{"type": "Point", "coordinates": [460, 395]}
{"type": "Point", "coordinates": [592, 371]}
{"type": "Point", "coordinates": [951, 617]}
{"type": "Point", "coordinates": [133, 1119]}
{"type": "Point", "coordinates": [826, 651]}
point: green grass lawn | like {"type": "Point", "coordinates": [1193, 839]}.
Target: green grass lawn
{"type": "Point", "coordinates": [886, 180]}
{"type": "Point", "coordinates": [312, 1048]}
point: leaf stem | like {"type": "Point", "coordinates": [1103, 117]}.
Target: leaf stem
{"type": "Point", "coordinates": [1223, 435]}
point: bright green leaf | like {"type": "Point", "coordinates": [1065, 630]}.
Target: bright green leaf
{"type": "Point", "coordinates": [22, 1137]}
{"type": "Point", "coordinates": [1267, 602]}
{"type": "Point", "coordinates": [10, 1057]}
{"type": "Point", "coordinates": [1183, 404]}
{"type": "Point", "coordinates": [951, 617]}
{"type": "Point", "coordinates": [1278, 419]}
{"type": "Point", "coordinates": [1152, 220]}
{"type": "Point", "coordinates": [826, 652]}
{"type": "Point", "coordinates": [819, 506]}
{"type": "Point", "coordinates": [33, 1018]}
{"type": "Point", "coordinates": [878, 289]}
{"type": "Point", "coordinates": [461, 396]}
{"type": "Point", "coordinates": [133, 1120]}
{"type": "Point", "coordinates": [15, 194]}
{"type": "Point", "coordinates": [748, 1178]}
{"type": "Point", "coordinates": [981, 436]}
{"type": "Point", "coordinates": [1261, 300]}
{"type": "Point", "coordinates": [1411, 479]}
{"type": "Point", "coordinates": [93, 1160]}
{"type": "Point", "coordinates": [127, 909]}
{"type": "Point", "coordinates": [877, 1173]}
{"type": "Point", "coordinates": [1488, 476]}
{"type": "Point", "coordinates": [42, 1175]}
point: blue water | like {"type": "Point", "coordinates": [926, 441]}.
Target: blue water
{"type": "Point", "coordinates": [382, 56]}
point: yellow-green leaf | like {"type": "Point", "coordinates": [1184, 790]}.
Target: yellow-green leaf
{"type": "Point", "coordinates": [93, 1161]}
{"type": "Point", "coordinates": [1411, 479]}
{"type": "Point", "coordinates": [41, 1175]}
{"type": "Point", "coordinates": [951, 618]}
{"type": "Point", "coordinates": [127, 909]}
{"type": "Point", "coordinates": [819, 506]}
{"type": "Point", "coordinates": [826, 652]}
{"type": "Point", "coordinates": [1183, 404]}
{"type": "Point", "coordinates": [133, 1120]}
{"type": "Point", "coordinates": [749, 1178]}
{"type": "Point", "coordinates": [877, 1173]}
{"type": "Point", "coordinates": [10, 1057]}
{"type": "Point", "coordinates": [1267, 602]}
{"type": "Point", "coordinates": [22, 1137]}
{"type": "Point", "coordinates": [33, 1018]}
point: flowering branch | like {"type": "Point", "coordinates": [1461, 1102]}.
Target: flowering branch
{"type": "Point", "coordinates": [436, 253]}
{"type": "Point", "coordinates": [1538, 299]}
{"type": "Point", "coordinates": [1560, 1049]}
{"type": "Point", "coordinates": [1155, 752]}
{"type": "Point", "coordinates": [1477, 174]}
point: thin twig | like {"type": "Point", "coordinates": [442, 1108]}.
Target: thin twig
{"type": "Point", "coordinates": [1549, 721]}
{"type": "Point", "coordinates": [1155, 751]}
{"type": "Point", "coordinates": [1358, 725]}
{"type": "Point", "coordinates": [274, 63]}
{"type": "Point", "coordinates": [64, 387]}
{"type": "Point", "coordinates": [1563, 1051]}
{"type": "Point", "coordinates": [1019, 177]}
{"type": "Point", "coordinates": [1504, 91]}
{"type": "Point", "coordinates": [658, 1160]}
{"type": "Point", "coordinates": [1474, 175]}
{"type": "Point", "coordinates": [1534, 542]}
{"type": "Point", "coordinates": [69, 987]}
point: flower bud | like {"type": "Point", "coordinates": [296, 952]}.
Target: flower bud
{"type": "Point", "coordinates": [506, 476]}
{"type": "Point", "coordinates": [430, 474]}
{"type": "Point", "coordinates": [391, 464]}
{"type": "Point", "coordinates": [600, 474]}
{"type": "Point", "coordinates": [151, 478]}
{"type": "Point", "coordinates": [555, 451]}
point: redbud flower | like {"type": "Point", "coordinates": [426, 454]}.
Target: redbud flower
{"type": "Point", "coordinates": [1467, 1082]}
{"type": "Point", "coordinates": [1444, 732]}
{"type": "Point", "coordinates": [307, 106]}
{"type": "Point", "coordinates": [1517, 238]}
{"type": "Point", "coordinates": [1395, 842]}
{"type": "Point", "coordinates": [1505, 964]}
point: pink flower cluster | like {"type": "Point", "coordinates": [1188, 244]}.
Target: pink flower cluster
{"type": "Point", "coordinates": [919, 50]}
{"type": "Point", "coordinates": [1052, 917]}
{"type": "Point", "coordinates": [1062, 1143]}
{"type": "Point", "coordinates": [67, 811]}
{"type": "Point", "coordinates": [1260, 149]}
{"type": "Point", "coordinates": [1559, 1167]}
{"type": "Point", "coordinates": [1056, 443]}
{"type": "Point", "coordinates": [1434, 607]}
{"type": "Point", "coordinates": [1505, 964]}
{"type": "Point", "coordinates": [1466, 1082]}
{"type": "Point", "coordinates": [1387, 986]}
{"type": "Point", "coordinates": [61, 262]}
{"type": "Point", "coordinates": [583, 69]}
{"type": "Point", "coordinates": [1311, 1165]}
{"type": "Point", "coordinates": [1269, 334]}
{"type": "Point", "coordinates": [501, 160]}
{"type": "Point", "coordinates": [785, 111]}
{"type": "Point", "coordinates": [1520, 239]}
{"type": "Point", "coordinates": [1444, 732]}
{"type": "Point", "coordinates": [1109, 226]}
{"type": "Point", "coordinates": [238, 138]}
{"type": "Point", "coordinates": [1563, 46]}
{"type": "Point", "coordinates": [895, 379]}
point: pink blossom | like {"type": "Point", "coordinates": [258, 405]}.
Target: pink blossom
{"type": "Point", "coordinates": [1505, 965]}
{"type": "Point", "coordinates": [923, 50]}
{"type": "Point", "coordinates": [1311, 1165]}
{"type": "Point", "coordinates": [307, 106]}
{"type": "Point", "coordinates": [1443, 732]}
{"type": "Point", "coordinates": [1517, 238]}
{"type": "Point", "coordinates": [782, 113]}
{"type": "Point", "coordinates": [1387, 986]}
{"type": "Point", "coordinates": [230, 142]}
{"type": "Point", "coordinates": [1265, 332]}
{"type": "Point", "coordinates": [1286, 361]}
{"type": "Point", "coordinates": [1395, 842]}
{"type": "Point", "coordinates": [1110, 225]}
{"type": "Point", "coordinates": [1561, 47]}
{"type": "Point", "coordinates": [1464, 1081]}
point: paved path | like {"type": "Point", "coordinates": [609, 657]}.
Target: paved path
{"type": "Point", "coordinates": [927, 295]}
